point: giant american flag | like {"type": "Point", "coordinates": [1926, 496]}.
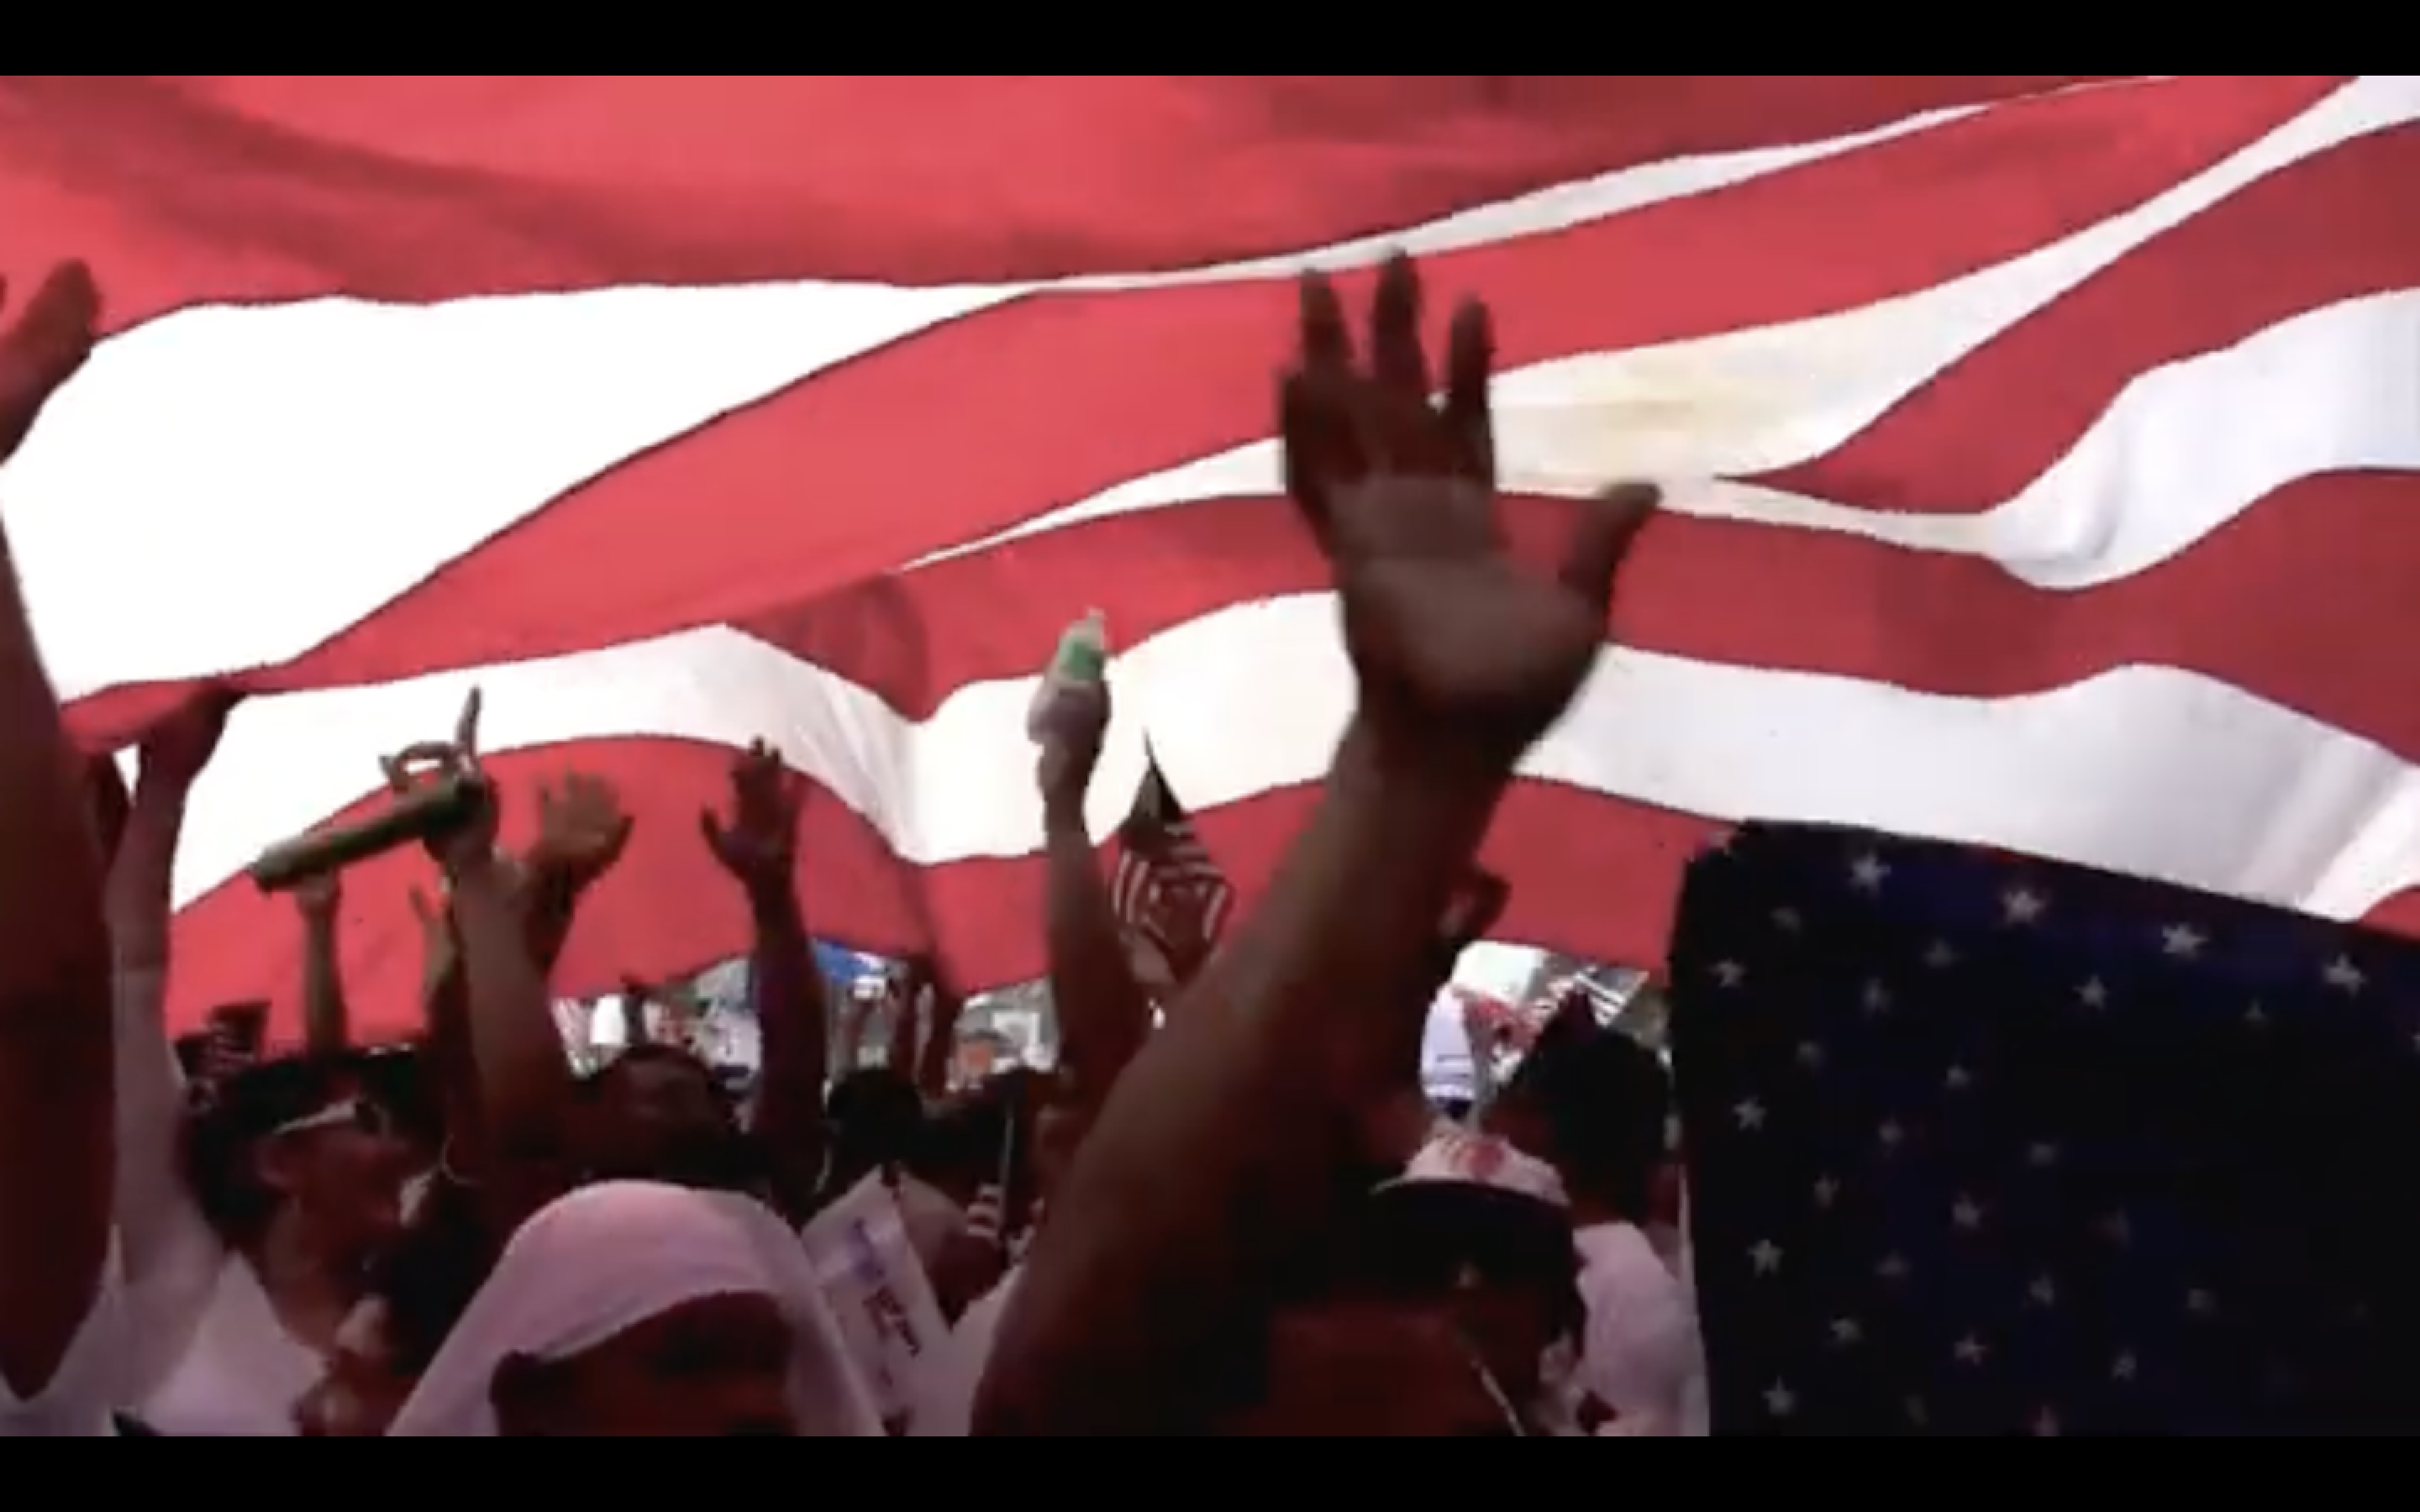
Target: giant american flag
{"type": "Point", "coordinates": [2035, 447]}
{"type": "Point", "coordinates": [1980, 1145]}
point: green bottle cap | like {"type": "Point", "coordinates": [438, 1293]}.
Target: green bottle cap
{"type": "Point", "coordinates": [1083, 655]}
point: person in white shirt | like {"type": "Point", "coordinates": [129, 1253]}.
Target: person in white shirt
{"type": "Point", "coordinates": [249, 1219]}
{"type": "Point", "coordinates": [258, 1247]}
{"type": "Point", "coordinates": [1596, 1106]}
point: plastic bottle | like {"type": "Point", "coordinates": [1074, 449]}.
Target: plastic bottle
{"type": "Point", "coordinates": [1078, 671]}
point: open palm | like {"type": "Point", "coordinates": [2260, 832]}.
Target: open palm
{"type": "Point", "coordinates": [1456, 646]}
{"type": "Point", "coordinates": [758, 844]}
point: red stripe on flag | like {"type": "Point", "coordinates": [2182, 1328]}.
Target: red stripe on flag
{"type": "Point", "coordinates": [1030, 404]}
{"type": "Point", "coordinates": [1051, 398]}
{"type": "Point", "coordinates": [2310, 236]}
{"type": "Point", "coordinates": [181, 187]}
{"type": "Point", "coordinates": [1589, 874]}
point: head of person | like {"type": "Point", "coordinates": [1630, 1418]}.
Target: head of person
{"type": "Point", "coordinates": [306, 1144]}
{"type": "Point", "coordinates": [875, 1117]}
{"type": "Point", "coordinates": [657, 1112]}
{"type": "Point", "coordinates": [1597, 1106]}
{"type": "Point", "coordinates": [964, 1139]}
{"type": "Point", "coordinates": [1448, 1296]}
{"type": "Point", "coordinates": [977, 1158]}
{"type": "Point", "coordinates": [638, 1310]}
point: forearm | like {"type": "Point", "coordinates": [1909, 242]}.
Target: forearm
{"type": "Point", "coordinates": [154, 1214]}
{"type": "Point", "coordinates": [906, 1031]}
{"type": "Point", "coordinates": [150, 1093]}
{"type": "Point", "coordinates": [523, 1075]}
{"type": "Point", "coordinates": [932, 1064]}
{"type": "Point", "coordinates": [544, 908]}
{"type": "Point", "coordinates": [550, 903]}
{"type": "Point", "coordinates": [53, 935]}
{"type": "Point", "coordinates": [142, 875]}
{"type": "Point", "coordinates": [55, 1030]}
{"type": "Point", "coordinates": [1140, 1282]}
{"type": "Point", "coordinates": [1104, 1017]}
{"type": "Point", "coordinates": [327, 1019]}
{"type": "Point", "coordinates": [795, 1023]}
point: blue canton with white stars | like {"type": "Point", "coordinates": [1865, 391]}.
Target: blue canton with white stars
{"type": "Point", "coordinates": [1987, 1146]}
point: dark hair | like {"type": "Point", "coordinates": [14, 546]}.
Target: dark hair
{"type": "Point", "coordinates": [398, 1078]}
{"type": "Point", "coordinates": [429, 1278]}
{"type": "Point", "coordinates": [983, 1136]}
{"type": "Point", "coordinates": [227, 1121]}
{"type": "Point", "coordinates": [1603, 1099]}
{"type": "Point", "coordinates": [651, 1053]}
{"type": "Point", "coordinates": [876, 1115]}
{"type": "Point", "coordinates": [720, 1155]}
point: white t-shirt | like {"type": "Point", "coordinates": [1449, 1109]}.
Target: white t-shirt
{"type": "Point", "coordinates": [207, 1356]}
{"type": "Point", "coordinates": [240, 1373]}
{"type": "Point", "coordinates": [1640, 1352]}
{"type": "Point", "coordinates": [76, 1402]}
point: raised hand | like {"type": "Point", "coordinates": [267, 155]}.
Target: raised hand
{"type": "Point", "coordinates": [43, 348]}
{"type": "Point", "coordinates": [472, 843]}
{"type": "Point", "coordinates": [581, 829]}
{"type": "Point", "coordinates": [1462, 654]}
{"type": "Point", "coordinates": [177, 748]}
{"type": "Point", "coordinates": [759, 844]}
{"type": "Point", "coordinates": [440, 758]}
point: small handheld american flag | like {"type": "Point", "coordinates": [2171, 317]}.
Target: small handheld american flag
{"type": "Point", "coordinates": [1980, 1145]}
{"type": "Point", "coordinates": [1166, 888]}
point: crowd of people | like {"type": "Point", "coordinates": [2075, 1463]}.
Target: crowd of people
{"type": "Point", "coordinates": [1228, 1207]}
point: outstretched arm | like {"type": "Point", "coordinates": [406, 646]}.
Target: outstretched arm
{"type": "Point", "coordinates": [1140, 1290]}
{"type": "Point", "coordinates": [171, 1257]}
{"type": "Point", "coordinates": [56, 1073]}
{"type": "Point", "coordinates": [327, 1018]}
{"type": "Point", "coordinates": [1104, 1016]}
{"type": "Point", "coordinates": [758, 845]}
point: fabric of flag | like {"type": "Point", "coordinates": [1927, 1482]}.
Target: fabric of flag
{"type": "Point", "coordinates": [1987, 1146]}
{"type": "Point", "coordinates": [2031, 439]}
{"type": "Point", "coordinates": [1165, 887]}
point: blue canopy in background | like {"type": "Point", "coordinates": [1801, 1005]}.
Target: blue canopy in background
{"type": "Point", "coordinates": [725, 986]}
{"type": "Point", "coordinates": [845, 965]}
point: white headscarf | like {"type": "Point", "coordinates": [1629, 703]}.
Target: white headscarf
{"type": "Point", "coordinates": [612, 1255]}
